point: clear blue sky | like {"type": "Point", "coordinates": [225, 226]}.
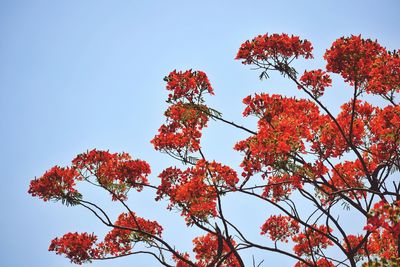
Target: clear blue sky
{"type": "Point", "coordinates": [77, 75]}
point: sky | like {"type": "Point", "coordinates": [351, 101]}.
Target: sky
{"type": "Point", "coordinates": [77, 75]}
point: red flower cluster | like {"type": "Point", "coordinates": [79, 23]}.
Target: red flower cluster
{"type": "Point", "coordinates": [352, 57]}
{"type": "Point", "coordinates": [187, 116]}
{"type": "Point", "coordinates": [330, 142]}
{"type": "Point", "coordinates": [386, 216]}
{"type": "Point", "coordinates": [280, 228]}
{"type": "Point", "coordinates": [348, 175]}
{"type": "Point", "coordinates": [210, 251]}
{"type": "Point", "coordinates": [279, 187]}
{"type": "Point", "coordinates": [319, 263]}
{"type": "Point", "coordinates": [311, 240]}
{"type": "Point", "coordinates": [366, 62]}
{"type": "Point", "coordinates": [383, 245]}
{"type": "Point", "coordinates": [182, 132]}
{"type": "Point", "coordinates": [313, 171]}
{"type": "Point", "coordinates": [385, 74]}
{"type": "Point", "coordinates": [79, 248]}
{"type": "Point", "coordinates": [194, 190]}
{"type": "Point", "coordinates": [317, 81]}
{"type": "Point", "coordinates": [363, 114]}
{"type": "Point", "coordinates": [221, 175]}
{"type": "Point", "coordinates": [206, 249]}
{"type": "Point", "coordinates": [284, 124]}
{"type": "Point", "coordinates": [181, 263]}
{"type": "Point", "coordinates": [119, 241]}
{"type": "Point", "coordinates": [128, 230]}
{"type": "Point", "coordinates": [188, 191]}
{"type": "Point", "coordinates": [385, 132]}
{"type": "Point", "coordinates": [355, 242]}
{"type": "Point", "coordinates": [266, 47]}
{"type": "Point", "coordinates": [116, 172]}
{"type": "Point", "coordinates": [57, 183]}
{"type": "Point", "coordinates": [188, 85]}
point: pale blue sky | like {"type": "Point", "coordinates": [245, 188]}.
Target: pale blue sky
{"type": "Point", "coordinates": [77, 75]}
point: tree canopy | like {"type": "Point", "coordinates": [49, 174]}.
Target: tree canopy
{"type": "Point", "coordinates": [300, 154]}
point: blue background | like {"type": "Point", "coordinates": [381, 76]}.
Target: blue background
{"type": "Point", "coordinates": [77, 75]}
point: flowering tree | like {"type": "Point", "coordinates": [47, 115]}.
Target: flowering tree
{"type": "Point", "coordinates": [300, 151]}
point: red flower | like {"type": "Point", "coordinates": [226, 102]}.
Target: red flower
{"type": "Point", "coordinates": [385, 74]}
{"type": "Point", "coordinates": [317, 81]}
{"type": "Point", "coordinates": [116, 172]}
{"type": "Point", "coordinates": [182, 131]}
{"type": "Point", "coordinates": [320, 263]}
{"type": "Point", "coordinates": [120, 241]}
{"type": "Point", "coordinates": [57, 183]}
{"type": "Point", "coordinates": [347, 176]}
{"type": "Point", "coordinates": [353, 57]}
{"type": "Point", "coordinates": [206, 249]}
{"type": "Point", "coordinates": [310, 240]}
{"type": "Point", "coordinates": [194, 190]}
{"type": "Point", "coordinates": [188, 85]}
{"type": "Point", "coordinates": [280, 187]}
{"type": "Point", "coordinates": [188, 191]}
{"type": "Point", "coordinates": [386, 216]}
{"type": "Point", "coordinates": [355, 242]}
{"type": "Point", "coordinates": [266, 47]}
{"type": "Point", "coordinates": [385, 131]}
{"type": "Point", "coordinates": [283, 127]}
{"type": "Point", "coordinates": [280, 228]}
{"type": "Point", "coordinates": [77, 247]}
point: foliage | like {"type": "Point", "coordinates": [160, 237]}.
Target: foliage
{"type": "Point", "coordinates": [299, 150]}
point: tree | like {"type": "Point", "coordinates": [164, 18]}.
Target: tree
{"type": "Point", "coordinates": [300, 150]}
